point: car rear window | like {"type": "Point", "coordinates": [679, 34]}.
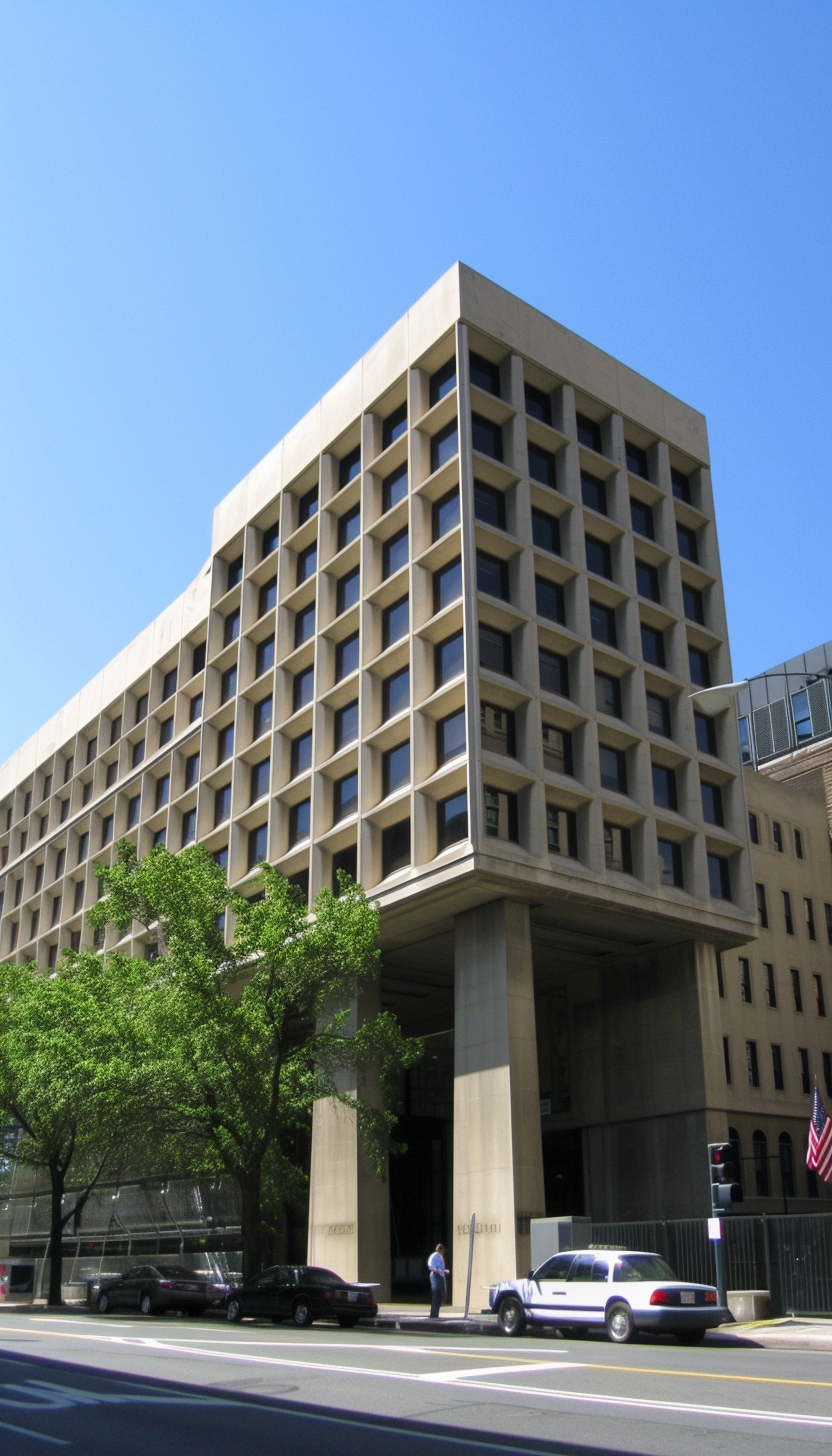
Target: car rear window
{"type": "Point", "coordinates": [632, 1267]}
{"type": "Point", "coordinates": [318, 1276]}
{"type": "Point", "coordinates": [174, 1271]}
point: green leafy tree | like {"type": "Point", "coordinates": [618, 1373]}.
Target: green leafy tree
{"type": "Point", "coordinates": [247, 1036]}
{"type": "Point", "coordinates": [71, 1092]}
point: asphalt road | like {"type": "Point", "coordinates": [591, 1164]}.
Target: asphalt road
{"type": "Point", "coordinates": [176, 1387]}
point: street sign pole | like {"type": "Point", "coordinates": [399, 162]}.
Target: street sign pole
{"type": "Point", "coordinates": [470, 1265]}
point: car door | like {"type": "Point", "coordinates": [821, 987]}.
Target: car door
{"type": "Point", "coordinates": [258, 1296]}
{"type": "Point", "coordinates": [547, 1289]}
{"type": "Point", "coordinates": [586, 1289]}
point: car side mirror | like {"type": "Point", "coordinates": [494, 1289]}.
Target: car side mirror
{"type": "Point", "coordinates": [530, 1274]}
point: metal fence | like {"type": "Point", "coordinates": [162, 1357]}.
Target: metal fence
{"type": "Point", "coordinates": [788, 1254]}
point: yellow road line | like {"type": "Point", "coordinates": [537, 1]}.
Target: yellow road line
{"type": "Point", "coordinates": [704, 1375]}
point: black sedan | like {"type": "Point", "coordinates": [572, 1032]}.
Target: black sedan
{"type": "Point", "coordinates": [302, 1294]}
{"type": "Point", "coordinates": [155, 1288]}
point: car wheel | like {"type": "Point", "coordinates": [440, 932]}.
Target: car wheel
{"type": "Point", "coordinates": [104, 1303]}
{"type": "Point", "coordinates": [511, 1316]}
{"type": "Point", "coordinates": [690, 1337]}
{"type": "Point", "coordinates": [233, 1311]}
{"type": "Point", "coordinates": [146, 1304]}
{"type": "Point", "coordinates": [348, 1321]}
{"type": "Point", "coordinates": [620, 1324]}
{"type": "Point", "coordinates": [302, 1313]}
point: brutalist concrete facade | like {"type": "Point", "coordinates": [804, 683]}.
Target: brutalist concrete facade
{"type": "Point", "coordinates": [446, 639]}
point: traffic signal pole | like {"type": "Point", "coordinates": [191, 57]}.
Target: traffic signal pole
{"type": "Point", "coordinates": [726, 1190]}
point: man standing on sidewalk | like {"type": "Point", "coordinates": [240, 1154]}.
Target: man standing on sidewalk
{"type": "Point", "coordinates": [436, 1267]}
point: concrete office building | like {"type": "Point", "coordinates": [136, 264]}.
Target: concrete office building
{"type": "Point", "coordinates": [774, 1000]}
{"type": "Point", "coordinates": [446, 639]}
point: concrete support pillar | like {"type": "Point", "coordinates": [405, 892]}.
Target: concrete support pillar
{"type": "Point", "coordinates": [349, 1207]}
{"type": "Point", "coordinates": [498, 1160]}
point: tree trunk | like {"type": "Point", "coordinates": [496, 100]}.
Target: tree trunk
{"type": "Point", "coordinates": [57, 1175]}
{"type": "Point", "coordinates": [251, 1222]}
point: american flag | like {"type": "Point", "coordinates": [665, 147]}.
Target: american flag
{"type": "Point", "coordinates": [819, 1154]}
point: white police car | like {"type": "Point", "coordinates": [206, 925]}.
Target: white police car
{"type": "Point", "coordinates": [623, 1290]}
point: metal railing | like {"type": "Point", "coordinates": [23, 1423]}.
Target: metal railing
{"type": "Point", "coordinates": [788, 1254]}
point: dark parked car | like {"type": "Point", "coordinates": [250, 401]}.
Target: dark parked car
{"type": "Point", "coordinates": [302, 1294]}
{"type": "Point", "coordinates": [154, 1288]}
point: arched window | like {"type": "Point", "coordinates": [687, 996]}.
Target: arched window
{"type": "Point", "coordinates": [786, 1165]}
{"type": "Point", "coordinates": [734, 1140]}
{"type": "Point", "coordinates": [761, 1163]}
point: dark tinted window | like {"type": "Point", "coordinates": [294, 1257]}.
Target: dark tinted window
{"type": "Point", "coordinates": [396, 693]}
{"type": "Point", "coordinates": [448, 659]}
{"type": "Point", "coordinates": [554, 672]}
{"type": "Point", "coordinates": [680, 484]}
{"type": "Point", "coordinates": [228, 684]}
{"type": "Point", "coordinates": [647, 581]}
{"type": "Point", "coordinates": [349, 527]}
{"type": "Point", "coordinates": [344, 797]}
{"type": "Point", "coordinates": [395, 768]}
{"type": "Point", "coordinates": [549, 599]}
{"type": "Point", "coordinates": [447, 585]}
{"type": "Point", "coordinates": [346, 725]}
{"type": "Point", "coordinates": [257, 847]}
{"type": "Point", "coordinates": [642, 518]}
{"type": "Point", "coordinates": [500, 814]}
{"type": "Point", "coordinates": [304, 625]}
{"type": "Point", "coordinates": [302, 688]}
{"type": "Point", "coordinates": [546, 532]}
{"type": "Point", "coordinates": [538, 404]}
{"type": "Point", "coordinates": [198, 662]}
{"type": "Point", "coordinates": [308, 506]}
{"type": "Point", "coordinates": [664, 787]}
{"type": "Point", "coordinates": [636, 459]}
{"type": "Point", "coordinates": [613, 768]}
{"type": "Point", "coordinates": [262, 717]}
{"type": "Point", "coordinates": [444, 446]}
{"type": "Point", "coordinates": [452, 820]}
{"type": "Point", "coordinates": [589, 433]}
{"type": "Point", "coordinates": [271, 537]}
{"type": "Point", "coordinates": [443, 381]}
{"type": "Point", "coordinates": [652, 646]}
{"type": "Point", "coordinates": [705, 733]}
{"type": "Point", "coordinates": [235, 572]}
{"type": "Point", "coordinates": [445, 513]}
{"type": "Point", "coordinates": [395, 553]}
{"type": "Point", "coordinates": [489, 505]}
{"type": "Point", "coordinates": [608, 694]}
{"type": "Point", "coordinates": [617, 849]}
{"type": "Point", "coordinates": [598, 557]}
{"type": "Point", "coordinates": [700, 668]}
{"type": "Point", "coordinates": [394, 426]}
{"type": "Point", "coordinates": [658, 715]}
{"type": "Point", "coordinates": [719, 877]}
{"type": "Point", "coordinates": [694, 604]}
{"type": "Point", "coordinates": [346, 656]}
{"type": "Point", "coordinates": [594, 492]}
{"type": "Point", "coordinates": [301, 754]}
{"type": "Point", "coordinates": [231, 627]}
{"type": "Point", "coordinates": [299, 821]}
{"type": "Point", "coordinates": [395, 847]}
{"type": "Point", "coordinates": [267, 597]}
{"type": "Point", "coordinates": [492, 575]}
{"type": "Point", "coordinates": [307, 563]}
{"type": "Point", "coordinates": [602, 624]}
{"type": "Point", "coordinates": [484, 374]}
{"type": "Point", "coordinates": [542, 466]}
{"type": "Point", "coordinates": [394, 488]}
{"type": "Point", "coordinates": [344, 861]}
{"type": "Point", "coordinates": [259, 779]}
{"type": "Point", "coordinates": [450, 737]}
{"type": "Point", "coordinates": [495, 649]}
{"type": "Point", "coordinates": [264, 656]}
{"type": "Point", "coordinates": [395, 621]}
{"type": "Point", "coordinates": [347, 591]}
{"type": "Point", "coordinates": [349, 467]}
{"type": "Point", "coordinates": [712, 804]}
{"type": "Point", "coordinates": [486, 437]}
{"type": "Point", "coordinates": [670, 863]}
{"type": "Point", "coordinates": [687, 543]}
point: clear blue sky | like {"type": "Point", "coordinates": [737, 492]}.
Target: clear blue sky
{"type": "Point", "coordinates": [209, 211]}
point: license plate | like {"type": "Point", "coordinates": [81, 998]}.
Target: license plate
{"type": "Point", "coordinates": [352, 1296]}
{"type": "Point", "coordinates": [688, 1296]}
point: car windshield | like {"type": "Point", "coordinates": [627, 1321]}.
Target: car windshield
{"type": "Point", "coordinates": [318, 1276]}
{"type": "Point", "coordinates": [632, 1267]}
{"type": "Point", "coordinates": [174, 1271]}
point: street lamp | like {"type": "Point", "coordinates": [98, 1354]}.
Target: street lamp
{"type": "Point", "coordinates": [716, 699]}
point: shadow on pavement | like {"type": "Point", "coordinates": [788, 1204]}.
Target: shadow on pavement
{"type": "Point", "coordinates": [51, 1404]}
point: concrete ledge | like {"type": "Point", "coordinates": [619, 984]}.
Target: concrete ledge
{"type": "Point", "coordinates": [747, 1305]}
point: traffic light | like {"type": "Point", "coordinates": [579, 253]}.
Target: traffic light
{"type": "Point", "coordinates": [726, 1189]}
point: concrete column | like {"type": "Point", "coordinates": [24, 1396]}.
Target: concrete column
{"type": "Point", "coordinates": [349, 1208]}
{"type": "Point", "coordinates": [498, 1161]}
